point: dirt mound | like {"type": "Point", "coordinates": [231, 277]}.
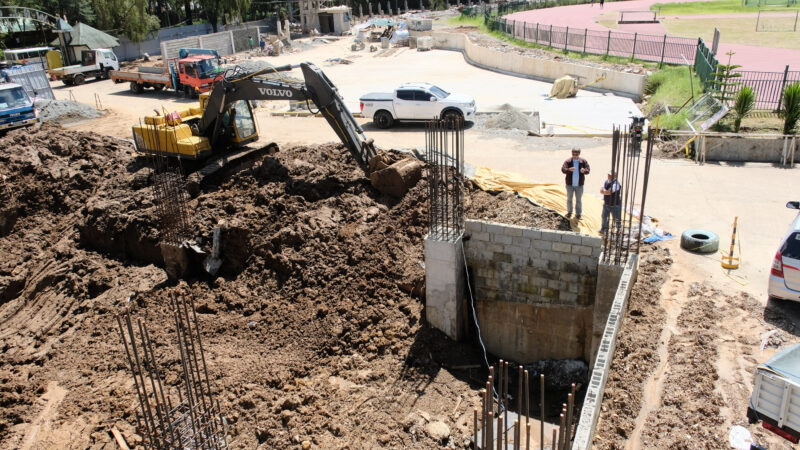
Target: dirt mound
{"type": "Point", "coordinates": [511, 118]}
{"type": "Point", "coordinates": [313, 330]}
{"type": "Point", "coordinates": [64, 110]}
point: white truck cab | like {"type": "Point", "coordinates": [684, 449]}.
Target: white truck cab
{"type": "Point", "coordinates": [416, 102]}
{"type": "Point", "coordinates": [96, 63]}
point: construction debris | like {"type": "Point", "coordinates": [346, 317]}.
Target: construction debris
{"type": "Point", "coordinates": [511, 118]}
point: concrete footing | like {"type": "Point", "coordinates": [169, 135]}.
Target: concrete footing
{"type": "Point", "coordinates": [445, 307]}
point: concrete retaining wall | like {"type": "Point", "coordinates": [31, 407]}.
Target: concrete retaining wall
{"type": "Point", "coordinates": [590, 410]}
{"type": "Point", "coordinates": [742, 149]}
{"type": "Point", "coordinates": [534, 290]}
{"type": "Point", "coordinates": [627, 84]}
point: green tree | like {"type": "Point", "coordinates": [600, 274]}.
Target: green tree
{"type": "Point", "coordinates": [791, 107]}
{"type": "Point", "coordinates": [129, 17]}
{"type": "Point", "coordinates": [227, 10]}
{"type": "Point", "coordinates": [745, 100]}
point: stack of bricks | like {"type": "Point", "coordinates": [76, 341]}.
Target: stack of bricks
{"type": "Point", "coordinates": [518, 264]}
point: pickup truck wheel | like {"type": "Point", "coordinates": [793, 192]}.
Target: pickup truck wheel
{"type": "Point", "coordinates": [136, 88]}
{"type": "Point", "coordinates": [67, 82]}
{"type": "Point", "coordinates": [383, 119]}
{"type": "Point", "coordinates": [78, 79]}
{"type": "Point", "coordinates": [452, 117]}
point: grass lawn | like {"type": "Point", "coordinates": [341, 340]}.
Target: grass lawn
{"type": "Point", "coordinates": [708, 7]}
{"type": "Point", "coordinates": [478, 22]}
{"type": "Point", "coordinates": [733, 31]}
{"type": "Point", "coordinates": [670, 86]}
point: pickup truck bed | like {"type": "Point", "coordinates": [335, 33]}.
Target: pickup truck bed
{"type": "Point", "coordinates": [776, 394]}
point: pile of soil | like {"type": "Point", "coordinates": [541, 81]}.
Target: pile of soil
{"type": "Point", "coordinates": [636, 352]}
{"type": "Point", "coordinates": [63, 111]}
{"type": "Point", "coordinates": [313, 329]}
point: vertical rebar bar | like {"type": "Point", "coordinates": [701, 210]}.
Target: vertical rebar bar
{"type": "Point", "coordinates": [541, 412]}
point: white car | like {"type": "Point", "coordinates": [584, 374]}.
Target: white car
{"type": "Point", "coordinates": [416, 102]}
{"type": "Point", "coordinates": [784, 279]}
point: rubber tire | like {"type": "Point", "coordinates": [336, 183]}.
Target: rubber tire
{"type": "Point", "coordinates": [700, 241]}
{"type": "Point", "coordinates": [451, 116]}
{"type": "Point", "coordinates": [67, 82]}
{"type": "Point", "coordinates": [136, 88]}
{"type": "Point", "coordinates": [78, 79]}
{"type": "Point", "coordinates": [158, 87]}
{"type": "Point", "coordinates": [383, 119]}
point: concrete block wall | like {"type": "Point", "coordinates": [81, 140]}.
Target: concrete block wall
{"type": "Point", "coordinates": [534, 290]}
{"type": "Point", "coordinates": [590, 411]}
{"type": "Point", "coordinates": [629, 84]}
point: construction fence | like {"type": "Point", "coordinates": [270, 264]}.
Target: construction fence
{"type": "Point", "coordinates": [768, 86]}
{"type": "Point", "coordinates": [646, 47]}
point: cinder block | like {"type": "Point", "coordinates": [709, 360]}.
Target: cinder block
{"type": "Point", "coordinates": [495, 228]}
{"type": "Point", "coordinates": [552, 236]}
{"type": "Point", "coordinates": [568, 277]}
{"type": "Point", "coordinates": [513, 231]}
{"type": "Point", "coordinates": [494, 247]}
{"type": "Point", "coordinates": [549, 256]}
{"type": "Point", "coordinates": [539, 281]}
{"type": "Point", "coordinates": [480, 236]}
{"type": "Point", "coordinates": [590, 262]}
{"type": "Point", "coordinates": [533, 254]}
{"type": "Point", "coordinates": [532, 233]}
{"type": "Point", "coordinates": [506, 268]}
{"type": "Point", "coordinates": [596, 252]}
{"type": "Point", "coordinates": [567, 297]}
{"type": "Point", "coordinates": [543, 245]}
{"type": "Point", "coordinates": [501, 239]}
{"type": "Point", "coordinates": [581, 250]}
{"type": "Point", "coordinates": [571, 238]}
{"type": "Point", "coordinates": [592, 241]}
{"type": "Point", "coordinates": [561, 247]}
{"type": "Point", "coordinates": [474, 225]}
{"type": "Point", "coordinates": [516, 251]}
{"type": "Point", "coordinates": [521, 242]}
{"type": "Point", "coordinates": [570, 258]}
{"type": "Point", "coordinates": [555, 284]}
{"type": "Point", "coordinates": [540, 262]}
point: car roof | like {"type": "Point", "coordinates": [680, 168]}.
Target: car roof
{"type": "Point", "coordinates": [416, 85]}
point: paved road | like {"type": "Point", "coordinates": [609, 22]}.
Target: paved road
{"type": "Point", "coordinates": [750, 57]}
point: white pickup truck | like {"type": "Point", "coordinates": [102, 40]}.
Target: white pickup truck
{"type": "Point", "coordinates": [96, 63]}
{"type": "Point", "coordinates": [416, 102]}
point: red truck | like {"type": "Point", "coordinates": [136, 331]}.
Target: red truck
{"type": "Point", "coordinates": [191, 75]}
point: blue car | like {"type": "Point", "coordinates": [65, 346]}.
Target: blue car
{"type": "Point", "coordinates": [16, 108]}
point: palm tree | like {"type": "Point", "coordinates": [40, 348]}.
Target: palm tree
{"type": "Point", "coordinates": [791, 107]}
{"type": "Point", "coordinates": [745, 99]}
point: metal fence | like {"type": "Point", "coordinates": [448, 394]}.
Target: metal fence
{"type": "Point", "coordinates": [647, 47]}
{"type": "Point", "coordinates": [768, 86]}
{"type": "Point", "coordinates": [705, 65]}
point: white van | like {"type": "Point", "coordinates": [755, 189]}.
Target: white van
{"type": "Point", "coordinates": [784, 278]}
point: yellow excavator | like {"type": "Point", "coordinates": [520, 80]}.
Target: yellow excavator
{"type": "Point", "coordinates": [223, 123]}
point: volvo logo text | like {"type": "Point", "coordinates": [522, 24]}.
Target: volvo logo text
{"type": "Point", "coordinates": [275, 92]}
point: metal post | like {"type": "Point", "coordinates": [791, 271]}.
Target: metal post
{"type": "Point", "coordinates": [585, 36]}
{"type": "Point", "coordinates": [633, 53]}
{"type": "Point", "coordinates": [566, 39]}
{"type": "Point", "coordinates": [536, 39]}
{"type": "Point", "coordinates": [608, 44]}
{"type": "Point", "coordinates": [663, 50]}
{"type": "Point", "coordinates": [550, 42]}
{"type": "Point", "coordinates": [783, 85]}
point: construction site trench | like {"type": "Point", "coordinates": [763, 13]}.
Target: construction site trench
{"type": "Point", "coordinates": [313, 328]}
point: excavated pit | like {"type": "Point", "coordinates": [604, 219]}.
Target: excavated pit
{"type": "Point", "coordinates": [313, 329]}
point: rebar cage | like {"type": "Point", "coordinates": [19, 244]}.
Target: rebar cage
{"type": "Point", "coordinates": [444, 152]}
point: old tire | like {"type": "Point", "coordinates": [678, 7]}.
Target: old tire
{"type": "Point", "coordinates": [700, 241]}
{"type": "Point", "coordinates": [383, 119]}
{"type": "Point", "coordinates": [78, 79]}
{"type": "Point", "coordinates": [136, 88]}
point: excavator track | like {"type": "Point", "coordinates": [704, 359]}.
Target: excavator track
{"type": "Point", "coordinates": [225, 164]}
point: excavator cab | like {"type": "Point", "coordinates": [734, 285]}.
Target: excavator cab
{"type": "Point", "coordinates": [239, 124]}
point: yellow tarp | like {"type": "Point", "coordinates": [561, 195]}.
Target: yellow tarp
{"type": "Point", "coordinates": [550, 196]}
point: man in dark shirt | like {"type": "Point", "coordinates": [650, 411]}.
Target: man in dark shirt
{"type": "Point", "coordinates": [612, 200]}
{"type": "Point", "coordinates": [575, 170]}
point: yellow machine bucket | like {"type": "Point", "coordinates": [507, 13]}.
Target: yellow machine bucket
{"type": "Point", "coordinates": [167, 134]}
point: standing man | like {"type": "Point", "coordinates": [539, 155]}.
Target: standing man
{"type": "Point", "coordinates": [250, 39]}
{"type": "Point", "coordinates": [263, 44]}
{"type": "Point", "coordinates": [612, 200]}
{"type": "Point", "coordinates": [575, 170]}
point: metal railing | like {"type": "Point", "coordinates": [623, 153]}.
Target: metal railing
{"type": "Point", "coordinates": [646, 47]}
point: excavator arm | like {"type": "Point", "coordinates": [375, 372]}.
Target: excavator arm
{"type": "Point", "coordinates": [317, 88]}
